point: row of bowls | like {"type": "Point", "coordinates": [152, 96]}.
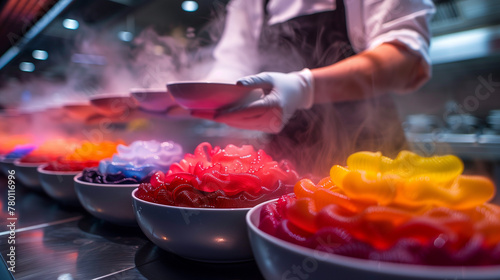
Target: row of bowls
{"type": "Point", "coordinates": [228, 235]}
{"type": "Point", "coordinates": [206, 96]}
{"type": "Point", "coordinates": [175, 229]}
{"type": "Point", "coordinates": [112, 203]}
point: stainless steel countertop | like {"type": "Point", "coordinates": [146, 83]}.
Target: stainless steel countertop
{"type": "Point", "coordinates": [54, 242]}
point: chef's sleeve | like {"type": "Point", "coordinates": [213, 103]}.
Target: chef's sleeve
{"type": "Point", "coordinates": [236, 53]}
{"type": "Point", "coordinates": [403, 22]}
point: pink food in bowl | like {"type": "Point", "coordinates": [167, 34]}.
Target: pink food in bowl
{"type": "Point", "coordinates": [212, 177]}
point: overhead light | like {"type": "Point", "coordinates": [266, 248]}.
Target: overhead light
{"type": "Point", "coordinates": [27, 67]}
{"type": "Point", "coordinates": [125, 36]}
{"type": "Point", "coordinates": [40, 55]}
{"type": "Point", "coordinates": [70, 24]}
{"type": "Point", "coordinates": [189, 6]}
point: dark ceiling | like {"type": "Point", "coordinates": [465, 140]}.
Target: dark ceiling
{"type": "Point", "coordinates": [28, 25]}
{"type": "Point", "coordinates": [17, 17]}
{"type": "Point", "coordinates": [96, 18]}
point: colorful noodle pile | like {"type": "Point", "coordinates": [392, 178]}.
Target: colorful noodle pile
{"type": "Point", "coordinates": [86, 155]}
{"type": "Point", "coordinates": [233, 177]}
{"type": "Point", "coordinates": [51, 150]}
{"type": "Point", "coordinates": [134, 163]}
{"type": "Point", "coordinates": [411, 209]}
{"type": "Point", "coordinates": [9, 142]}
{"type": "Point", "coordinates": [20, 151]}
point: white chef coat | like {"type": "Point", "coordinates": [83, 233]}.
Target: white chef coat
{"type": "Point", "coordinates": [370, 23]}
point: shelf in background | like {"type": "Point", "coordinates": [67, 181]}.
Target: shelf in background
{"type": "Point", "coordinates": [466, 146]}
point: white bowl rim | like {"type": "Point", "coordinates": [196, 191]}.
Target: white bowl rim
{"type": "Point", "coordinates": [215, 83]}
{"type": "Point", "coordinates": [77, 180]}
{"type": "Point", "coordinates": [412, 270]}
{"type": "Point", "coordinates": [187, 208]}
{"type": "Point", "coordinates": [204, 83]}
{"type": "Point", "coordinates": [148, 90]}
{"type": "Point", "coordinates": [109, 95]}
{"type": "Point", "coordinates": [40, 169]}
{"type": "Point", "coordinates": [18, 163]}
{"type": "Point", "coordinates": [73, 104]}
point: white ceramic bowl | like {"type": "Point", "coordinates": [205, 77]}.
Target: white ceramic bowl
{"type": "Point", "coordinates": [28, 175]}
{"type": "Point", "coordinates": [113, 104]}
{"type": "Point", "coordinates": [59, 185]}
{"type": "Point", "coordinates": [7, 164]}
{"type": "Point", "coordinates": [207, 95]}
{"type": "Point", "coordinates": [109, 202]}
{"type": "Point", "coordinates": [79, 111]}
{"type": "Point", "coordinates": [202, 234]}
{"type": "Point", "coordinates": [153, 100]}
{"type": "Point", "coordinates": [279, 259]}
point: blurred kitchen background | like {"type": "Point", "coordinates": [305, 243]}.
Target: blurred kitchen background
{"type": "Point", "coordinates": [458, 111]}
{"type": "Point", "coordinates": [54, 52]}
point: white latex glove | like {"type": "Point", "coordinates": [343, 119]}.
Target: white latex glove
{"type": "Point", "coordinates": [288, 93]}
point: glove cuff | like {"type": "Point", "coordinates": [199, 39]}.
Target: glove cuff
{"type": "Point", "coordinates": [308, 86]}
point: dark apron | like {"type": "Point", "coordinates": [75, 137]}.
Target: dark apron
{"type": "Point", "coordinates": [315, 139]}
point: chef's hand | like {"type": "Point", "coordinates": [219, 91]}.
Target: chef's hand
{"type": "Point", "coordinates": [285, 94]}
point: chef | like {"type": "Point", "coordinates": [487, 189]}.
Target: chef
{"type": "Point", "coordinates": [329, 69]}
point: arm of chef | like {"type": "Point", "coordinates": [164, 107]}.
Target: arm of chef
{"type": "Point", "coordinates": [236, 52]}
{"type": "Point", "coordinates": [404, 23]}
{"type": "Point", "coordinates": [392, 40]}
